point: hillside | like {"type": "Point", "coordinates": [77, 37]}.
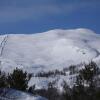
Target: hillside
{"type": "Point", "coordinates": [50, 50]}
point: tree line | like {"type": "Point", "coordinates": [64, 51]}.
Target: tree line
{"type": "Point", "coordinates": [85, 87]}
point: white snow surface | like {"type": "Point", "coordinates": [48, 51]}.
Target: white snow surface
{"type": "Point", "coordinates": [12, 94]}
{"type": "Point", "coordinates": [49, 50]}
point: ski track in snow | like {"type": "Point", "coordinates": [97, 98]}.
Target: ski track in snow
{"type": "Point", "coordinates": [2, 44]}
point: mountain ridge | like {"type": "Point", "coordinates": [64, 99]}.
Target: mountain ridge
{"type": "Point", "coordinates": [55, 48]}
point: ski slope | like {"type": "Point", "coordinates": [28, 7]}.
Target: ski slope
{"type": "Point", "coordinates": [54, 49]}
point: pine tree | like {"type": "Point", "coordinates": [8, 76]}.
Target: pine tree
{"type": "Point", "coordinates": [3, 83]}
{"type": "Point", "coordinates": [19, 79]}
{"type": "Point", "coordinates": [85, 88]}
{"type": "Point", "coordinates": [88, 73]}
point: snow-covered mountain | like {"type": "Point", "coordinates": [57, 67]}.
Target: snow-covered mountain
{"type": "Point", "coordinates": [49, 50]}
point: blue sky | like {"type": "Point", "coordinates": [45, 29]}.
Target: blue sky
{"type": "Point", "coordinates": [33, 16]}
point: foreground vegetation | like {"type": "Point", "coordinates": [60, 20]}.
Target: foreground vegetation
{"type": "Point", "coordinates": [86, 86]}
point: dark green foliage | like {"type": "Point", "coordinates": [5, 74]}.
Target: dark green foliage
{"type": "Point", "coordinates": [50, 73]}
{"type": "Point", "coordinates": [51, 93]}
{"type": "Point", "coordinates": [3, 79]}
{"type": "Point", "coordinates": [85, 88]}
{"type": "Point", "coordinates": [66, 95]}
{"type": "Point", "coordinates": [88, 74]}
{"type": "Point", "coordinates": [32, 89]}
{"type": "Point", "coordinates": [72, 69]}
{"type": "Point", "coordinates": [97, 94]}
{"type": "Point", "coordinates": [18, 79]}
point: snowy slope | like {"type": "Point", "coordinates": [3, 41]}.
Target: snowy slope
{"type": "Point", "coordinates": [50, 50]}
{"type": "Point", "coordinates": [11, 94]}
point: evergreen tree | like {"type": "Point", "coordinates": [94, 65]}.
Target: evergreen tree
{"type": "Point", "coordinates": [32, 89]}
{"type": "Point", "coordinates": [85, 88]}
{"type": "Point", "coordinates": [66, 92]}
{"type": "Point", "coordinates": [3, 82]}
{"type": "Point", "coordinates": [88, 73]}
{"type": "Point", "coordinates": [18, 79]}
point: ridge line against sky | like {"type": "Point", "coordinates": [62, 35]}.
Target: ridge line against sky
{"type": "Point", "coordinates": [33, 16]}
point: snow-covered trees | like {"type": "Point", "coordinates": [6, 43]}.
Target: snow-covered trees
{"type": "Point", "coordinates": [86, 86]}
{"type": "Point", "coordinates": [16, 80]}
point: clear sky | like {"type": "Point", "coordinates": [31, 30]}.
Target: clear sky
{"type": "Point", "coordinates": [33, 16]}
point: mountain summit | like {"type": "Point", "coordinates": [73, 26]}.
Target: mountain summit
{"type": "Point", "coordinates": [49, 50]}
